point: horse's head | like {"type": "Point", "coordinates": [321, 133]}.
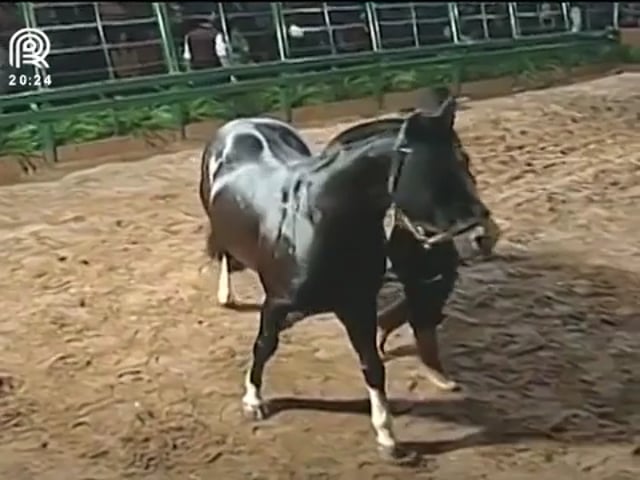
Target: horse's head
{"type": "Point", "coordinates": [432, 187]}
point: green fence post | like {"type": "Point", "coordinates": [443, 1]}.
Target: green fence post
{"type": "Point", "coordinates": [374, 33]}
{"type": "Point", "coordinates": [47, 135]}
{"type": "Point", "coordinates": [166, 35]}
{"type": "Point", "coordinates": [380, 83]}
{"type": "Point", "coordinates": [285, 85]}
{"type": "Point", "coordinates": [171, 59]}
{"type": "Point", "coordinates": [103, 40]}
{"type": "Point", "coordinates": [459, 75]}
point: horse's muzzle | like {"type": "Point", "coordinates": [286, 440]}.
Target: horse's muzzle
{"type": "Point", "coordinates": [480, 241]}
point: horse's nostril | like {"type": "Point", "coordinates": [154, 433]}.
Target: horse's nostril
{"type": "Point", "coordinates": [479, 238]}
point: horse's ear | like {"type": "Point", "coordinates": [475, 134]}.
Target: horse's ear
{"type": "Point", "coordinates": [413, 129]}
{"type": "Point", "coordinates": [433, 98]}
{"type": "Point", "coordinates": [442, 93]}
{"type": "Point", "coordinates": [447, 112]}
{"type": "Point", "coordinates": [418, 123]}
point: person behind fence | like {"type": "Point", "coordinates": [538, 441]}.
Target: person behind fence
{"type": "Point", "coordinates": [575, 18]}
{"type": "Point", "coordinates": [547, 16]}
{"type": "Point", "coordinates": [198, 46]}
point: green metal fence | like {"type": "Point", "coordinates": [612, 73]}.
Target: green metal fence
{"type": "Point", "coordinates": [100, 41]}
{"type": "Point", "coordinates": [165, 96]}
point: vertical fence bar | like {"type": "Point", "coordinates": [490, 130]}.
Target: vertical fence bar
{"type": "Point", "coordinates": [23, 12]}
{"type": "Point", "coordinates": [453, 22]}
{"type": "Point", "coordinates": [29, 18]}
{"type": "Point", "coordinates": [107, 57]}
{"type": "Point", "coordinates": [565, 15]}
{"type": "Point", "coordinates": [47, 135]}
{"type": "Point", "coordinates": [171, 61]}
{"type": "Point", "coordinates": [103, 40]}
{"type": "Point", "coordinates": [513, 20]}
{"type": "Point", "coordinates": [283, 48]}
{"type": "Point", "coordinates": [327, 25]}
{"type": "Point", "coordinates": [616, 15]}
{"type": "Point", "coordinates": [28, 14]}
{"type": "Point", "coordinates": [166, 36]}
{"type": "Point", "coordinates": [225, 26]}
{"type": "Point", "coordinates": [280, 33]}
{"type": "Point", "coordinates": [284, 29]}
{"type": "Point", "coordinates": [485, 23]}
{"type": "Point", "coordinates": [374, 27]}
{"type": "Point", "coordinates": [414, 24]}
{"type": "Point", "coordinates": [374, 34]}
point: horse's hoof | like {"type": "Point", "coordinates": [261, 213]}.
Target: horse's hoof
{"type": "Point", "coordinates": [254, 413]}
{"type": "Point", "coordinates": [442, 382]}
{"type": "Point", "coordinates": [390, 453]}
{"type": "Point", "coordinates": [227, 303]}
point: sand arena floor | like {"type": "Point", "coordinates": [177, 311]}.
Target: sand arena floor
{"type": "Point", "coordinates": [117, 363]}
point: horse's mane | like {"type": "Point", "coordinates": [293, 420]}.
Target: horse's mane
{"type": "Point", "coordinates": [363, 132]}
{"type": "Point", "coordinates": [371, 146]}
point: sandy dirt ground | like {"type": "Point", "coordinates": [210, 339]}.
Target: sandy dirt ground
{"type": "Point", "coordinates": [116, 361]}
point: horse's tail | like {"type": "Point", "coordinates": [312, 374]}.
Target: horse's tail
{"type": "Point", "coordinates": [215, 253]}
{"type": "Point", "coordinates": [211, 249]}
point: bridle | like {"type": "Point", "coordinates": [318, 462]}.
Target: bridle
{"type": "Point", "coordinates": [428, 235]}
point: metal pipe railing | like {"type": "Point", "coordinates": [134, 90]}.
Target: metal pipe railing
{"type": "Point", "coordinates": [322, 18]}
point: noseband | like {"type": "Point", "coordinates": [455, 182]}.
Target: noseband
{"type": "Point", "coordinates": [427, 237]}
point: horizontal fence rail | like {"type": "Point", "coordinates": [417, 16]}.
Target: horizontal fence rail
{"type": "Point", "coordinates": [323, 65]}
{"type": "Point", "coordinates": [115, 65]}
{"type": "Point", "coordinates": [101, 41]}
{"type": "Point", "coordinates": [177, 99]}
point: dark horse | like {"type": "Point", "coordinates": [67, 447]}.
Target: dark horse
{"type": "Point", "coordinates": [440, 262]}
{"type": "Point", "coordinates": [313, 228]}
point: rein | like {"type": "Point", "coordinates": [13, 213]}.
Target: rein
{"type": "Point", "coordinates": [428, 238]}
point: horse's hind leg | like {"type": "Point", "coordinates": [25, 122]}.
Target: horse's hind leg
{"type": "Point", "coordinates": [389, 320]}
{"type": "Point", "coordinates": [360, 323]}
{"type": "Point", "coordinates": [272, 317]}
{"type": "Point", "coordinates": [225, 291]}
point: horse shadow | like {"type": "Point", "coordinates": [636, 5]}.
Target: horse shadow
{"type": "Point", "coordinates": [558, 363]}
{"type": "Point", "coordinates": [244, 306]}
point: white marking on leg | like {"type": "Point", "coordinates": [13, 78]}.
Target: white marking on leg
{"type": "Point", "coordinates": [251, 400]}
{"type": "Point", "coordinates": [381, 419]}
{"type": "Point", "coordinates": [225, 293]}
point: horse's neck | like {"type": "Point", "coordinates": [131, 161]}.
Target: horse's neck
{"type": "Point", "coordinates": [357, 177]}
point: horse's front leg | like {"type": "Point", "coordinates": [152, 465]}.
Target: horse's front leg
{"type": "Point", "coordinates": [426, 313]}
{"type": "Point", "coordinates": [272, 317]}
{"type": "Point", "coordinates": [360, 324]}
